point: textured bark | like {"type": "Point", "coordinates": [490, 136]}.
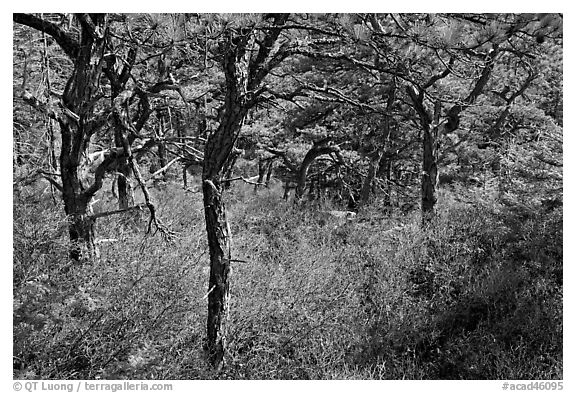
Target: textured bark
{"type": "Point", "coordinates": [264, 172]}
{"type": "Point", "coordinates": [125, 191]}
{"type": "Point", "coordinates": [380, 155]}
{"type": "Point", "coordinates": [81, 229]}
{"type": "Point", "coordinates": [372, 170]}
{"type": "Point", "coordinates": [219, 286]}
{"type": "Point", "coordinates": [218, 233]}
{"type": "Point", "coordinates": [261, 173]}
{"type": "Point", "coordinates": [430, 144]}
{"type": "Point", "coordinates": [430, 124]}
{"type": "Point", "coordinates": [242, 75]}
{"type": "Point", "coordinates": [385, 172]}
{"type": "Point", "coordinates": [76, 201]}
{"type": "Point", "coordinates": [218, 149]}
{"type": "Point", "coordinates": [76, 130]}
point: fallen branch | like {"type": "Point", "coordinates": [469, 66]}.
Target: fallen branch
{"type": "Point", "coordinates": [112, 212]}
{"type": "Point", "coordinates": [100, 241]}
{"type": "Point", "coordinates": [163, 169]}
{"type": "Point", "coordinates": [249, 180]}
{"type": "Point", "coordinates": [236, 260]}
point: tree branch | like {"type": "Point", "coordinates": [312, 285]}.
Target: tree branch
{"type": "Point", "coordinates": [109, 213]}
{"type": "Point", "coordinates": [66, 41]}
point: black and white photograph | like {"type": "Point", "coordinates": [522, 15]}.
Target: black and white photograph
{"type": "Point", "coordinates": [287, 196]}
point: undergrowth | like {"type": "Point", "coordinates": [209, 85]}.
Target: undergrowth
{"type": "Point", "coordinates": [476, 295]}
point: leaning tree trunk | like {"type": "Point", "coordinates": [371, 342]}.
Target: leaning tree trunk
{"type": "Point", "coordinates": [317, 150]}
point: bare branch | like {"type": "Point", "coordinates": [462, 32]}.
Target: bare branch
{"type": "Point", "coordinates": [249, 181]}
{"type": "Point", "coordinates": [67, 41]}
{"type": "Point", "coordinates": [112, 212]}
{"type": "Point", "coordinates": [163, 169]}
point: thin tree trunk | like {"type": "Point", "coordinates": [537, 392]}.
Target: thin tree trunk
{"type": "Point", "coordinates": [219, 285]}
{"type": "Point", "coordinates": [182, 133]}
{"type": "Point", "coordinates": [269, 169]}
{"type": "Point", "coordinates": [52, 161]}
{"type": "Point", "coordinates": [372, 170]}
{"type": "Point", "coordinates": [386, 170]}
{"type": "Point", "coordinates": [161, 148]}
{"type": "Point", "coordinates": [125, 191]}
{"type": "Point", "coordinates": [430, 146]}
{"type": "Point", "coordinates": [261, 173]}
{"type": "Point", "coordinates": [242, 75]}
{"type": "Point", "coordinates": [218, 149]}
{"type": "Point", "coordinates": [376, 157]}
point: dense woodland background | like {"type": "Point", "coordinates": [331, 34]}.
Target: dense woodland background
{"type": "Point", "coordinates": [287, 196]}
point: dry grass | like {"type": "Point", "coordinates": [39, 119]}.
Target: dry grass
{"type": "Point", "coordinates": [479, 296]}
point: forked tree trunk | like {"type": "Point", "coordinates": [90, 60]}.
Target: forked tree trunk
{"type": "Point", "coordinates": [242, 75]}
{"type": "Point", "coordinates": [75, 130]}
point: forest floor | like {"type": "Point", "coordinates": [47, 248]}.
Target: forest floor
{"type": "Point", "coordinates": [477, 295]}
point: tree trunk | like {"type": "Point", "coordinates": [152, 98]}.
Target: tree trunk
{"type": "Point", "coordinates": [261, 173]}
{"type": "Point", "coordinates": [161, 147]}
{"type": "Point", "coordinates": [182, 133]}
{"type": "Point", "coordinates": [125, 191]}
{"type": "Point", "coordinates": [264, 172]}
{"type": "Point", "coordinates": [430, 146]}
{"type": "Point", "coordinates": [374, 158]}
{"type": "Point", "coordinates": [316, 151]}
{"type": "Point", "coordinates": [81, 227]}
{"type": "Point", "coordinates": [242, 75]}
{"type": "Point", "coordinates": [269, 169]}
{"type": "Point", "coordinates": [385, 170]}
{"type": "Point", "coordinates": [218, 149]}
{"type": "Point", "coordinates": [219, 286]}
